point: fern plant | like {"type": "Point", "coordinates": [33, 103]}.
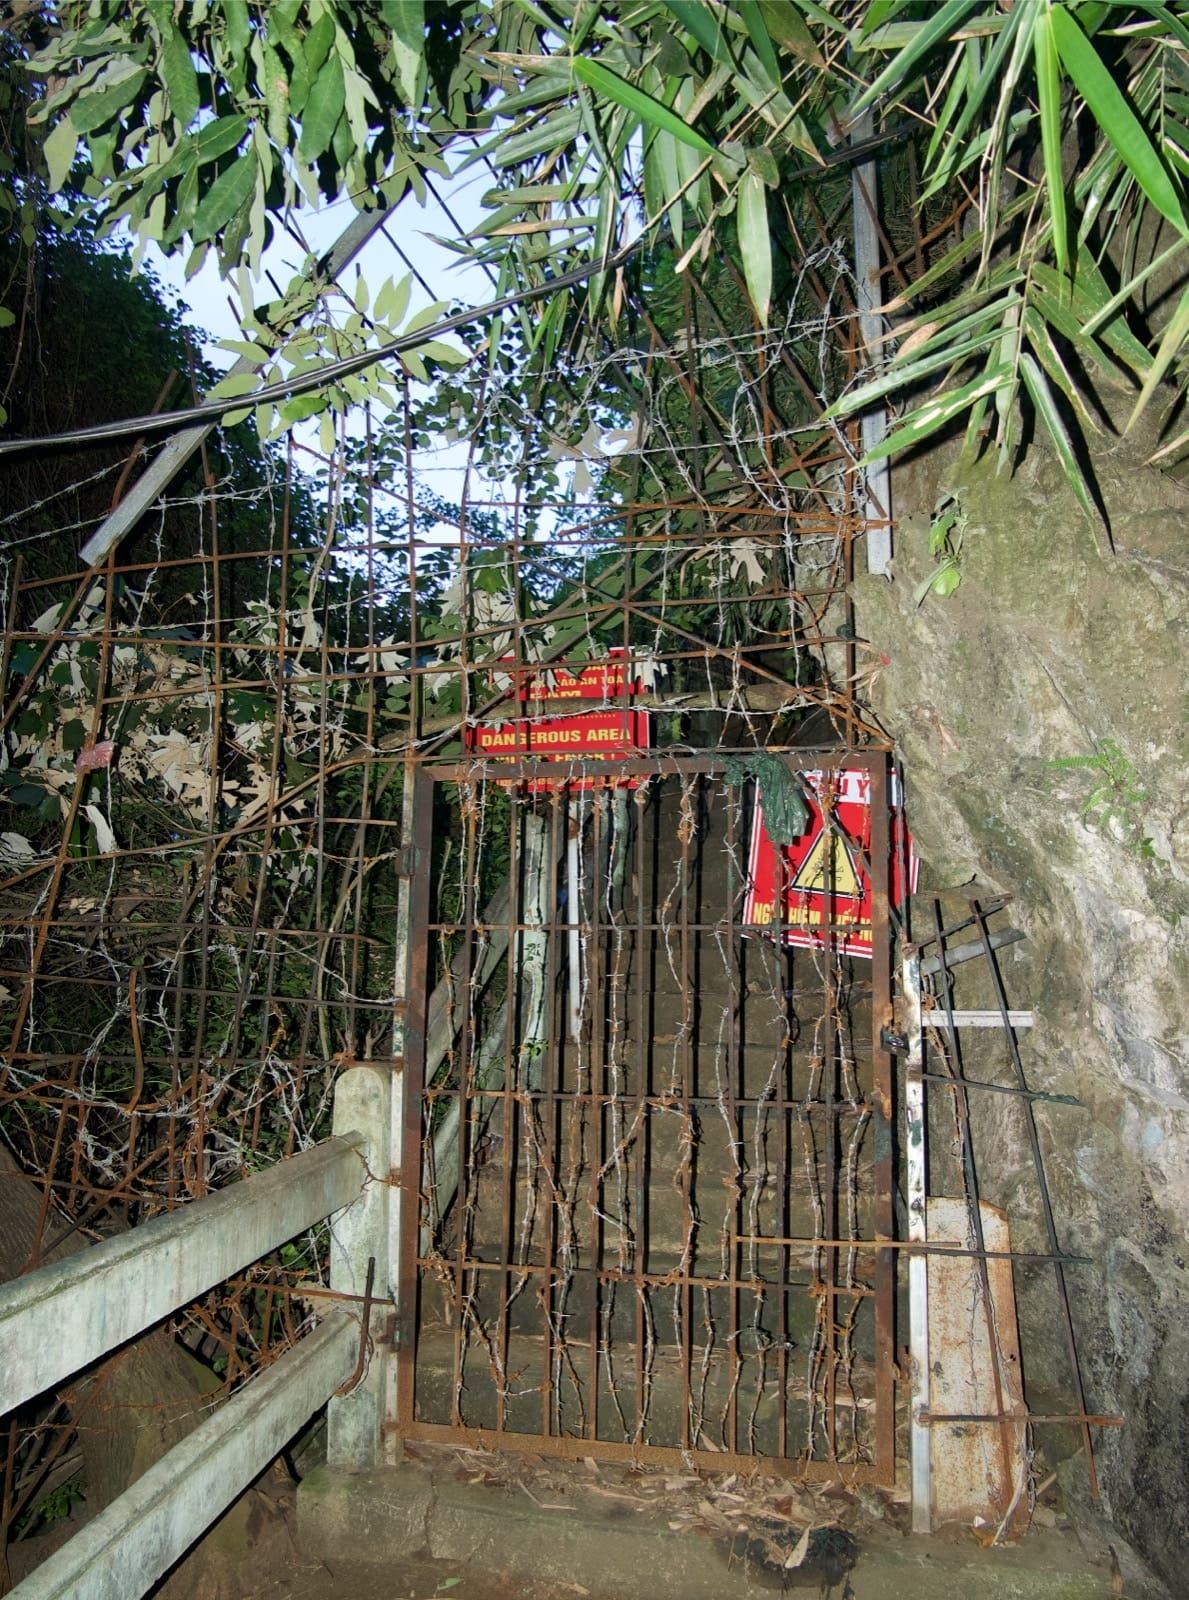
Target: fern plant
{"type": "Point", "coordinates": [1115, 802]}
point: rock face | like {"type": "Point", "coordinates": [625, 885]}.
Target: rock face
{"type": "Point", "coordinates": [1053, 647]}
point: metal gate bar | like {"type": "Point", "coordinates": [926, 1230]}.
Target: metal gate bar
{"type": "Point", "coordinates": [580, 1260]}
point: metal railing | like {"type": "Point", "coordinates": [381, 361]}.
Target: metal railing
{"type": "Point", "coordinates": [58, 1320]}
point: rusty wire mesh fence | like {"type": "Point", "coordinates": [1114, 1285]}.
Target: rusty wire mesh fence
{"type": "Point", "coordinates": [208, 740]}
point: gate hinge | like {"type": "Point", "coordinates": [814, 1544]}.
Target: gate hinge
{"type": "Point", "coordinates": [407, 857]}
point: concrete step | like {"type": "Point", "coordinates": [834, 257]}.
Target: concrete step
{"type": "Point", "coordinates": [592, 1541]}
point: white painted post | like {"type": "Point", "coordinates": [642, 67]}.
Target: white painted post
{"type": "Point", "coordinates": [359, 1235]}
{"type": "Point", "coordinates": [918, 1264]}
{"type": "Point", "coordinates": [403, 1163]}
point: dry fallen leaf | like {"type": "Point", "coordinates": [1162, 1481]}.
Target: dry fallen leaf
{"type": "Point", "coordinates": [797, 1555]}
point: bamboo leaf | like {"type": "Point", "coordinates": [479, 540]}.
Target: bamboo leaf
{"type": "Point", "coordinates": [755, 243]}
{"type": "Point", "coordinates": [1117, 301]}
{"type": "Point", "coordinates": [1115, 117]}
{"type": "Point", "coordinates": [924, 36]}
{"type": "Point", "coordinates": [934, 414]}
{"type": "Point", "coordinates": [1048, 84]}
{"type": "Point", "coordinates": [761, 43]}
{"type": "Point", "coordinates": [879, 12]}
{"type": "Point", "coordinates": [786, 26]}
{"type": "Point", "coordinates": [1047, 353]}
{"type": "Point", "coordinates": [959, 149]}
{"type": "Point", "coordinates": [698, 18]}
{"type": "Point", "coordinates": [1046, 408]}
{"type": "Point", "coordinates": [616, 89]}
{"type": "Point", "coordinates": [1171, 346]}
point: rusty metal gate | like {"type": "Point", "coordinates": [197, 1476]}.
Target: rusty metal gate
{"type": "Point", "coordinates": [655, 1149]}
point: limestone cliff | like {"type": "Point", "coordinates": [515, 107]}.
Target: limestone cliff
{"type": "Point", "coordinates": [1054, 647]}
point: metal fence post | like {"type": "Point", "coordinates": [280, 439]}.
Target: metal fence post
{"type": "Point", "coordinates": [359, 1235]}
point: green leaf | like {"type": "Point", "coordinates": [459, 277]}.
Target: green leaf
{"type": "Point", "coordinates": [302, 406]}
{"type": "Point", "coordinates": [1171, 347]}
{"type": "Point", "coordinates": [225, 196]}
{"type": "Point", "coordinates": [276, 97]}
{"type": "Point", "coordinates": [392, 299]}
{"type": "Point", "coordinates": [406, 18]}
{"type": "Point", "coordinates": [234, 385]}
{"type": "Point", "coordinates": [701, 22]}
{"type": "Point", "coordinates": [1046, 408]}
{"type": "Point", "coordinates": [423, 318]}
{"type": "Point", "coordinates": [761, 43]}
{"type": "Point", "coordinates": [327, 433]}
{"type": "Point", "coordinates": [178, 71]}
{"type": "Point", "coordinates": [924, 36]}
{"type": "Point", "coordinates": [1115, 117]}
{"type": "Point", "coordinates": [323, 108]}
{"type": "Point", "coordinates": [91, 111]}
{"type": "Point", "coordinates": [943, 580]}
{"type": "Point", "coordinates": [317, 43]}
{"type": "Point", "coordinates": [58, 150]}
{"type": "Point", "coordinates": [755, 243]}
{"type": "Point", "coordinates": [1048, 85]}
{"type": "Point", "coordinates": [616, 89]}
{"type": "Point", "coordinates": [445, 354]}
{"type": "Point", "coordinates": [218, 137]}
{"type": "Point", "coordinates": [239, 31]}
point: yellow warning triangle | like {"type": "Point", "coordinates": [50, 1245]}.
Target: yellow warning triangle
{"type": "Point", "coordinates": [811, 874]}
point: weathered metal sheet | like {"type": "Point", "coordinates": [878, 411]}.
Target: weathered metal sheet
{"type": "Point", "coordinates": [979, 1469]}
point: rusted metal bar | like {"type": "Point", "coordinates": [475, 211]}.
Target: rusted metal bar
{"type": "Point", "coordinates": [1043, 1186]}
{"type": "Point", "coordinates": [1002, 1088]}
{"type": "Point", "coordinates": [1077, 1419]}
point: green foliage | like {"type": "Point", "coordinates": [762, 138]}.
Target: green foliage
{"type": "Point", "coordinates": [1038, 301]}
{"type": "Point", "coordinates": [53, 1507]}
{"type": "Point", "coordinates": [200, 124]}
{"type": "Point", "coordinates": [947, 530]}
{"type": "Point", "coordinates": [1115, 804]}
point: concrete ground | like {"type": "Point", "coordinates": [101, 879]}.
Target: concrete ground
{"type": "Point", "coordinates": [448, 1525]}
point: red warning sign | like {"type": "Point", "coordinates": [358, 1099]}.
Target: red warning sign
{"type": "Point", "coordinates": [591, 735]}
{"type": "Point", "coordinates": [588, 680]}
{"type": "Point", "coordinates": [821, 878]}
